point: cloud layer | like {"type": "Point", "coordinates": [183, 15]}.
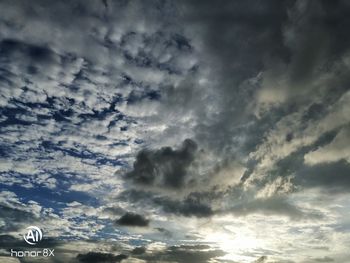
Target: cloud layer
{"type": "Point", "coordinates": [176, 131]}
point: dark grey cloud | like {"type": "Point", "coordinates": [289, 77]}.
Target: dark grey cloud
{"type": "Point", "coordinates": [14, 218]}
{"type": "Point", "coordinates": [184, 254]}
{"type": "Point", "coordinates": [286, 53]}
{"type": "Point", "coordinates": [320, 37]}
{"type": "Point", "coordinates": [273, 206]}
{"type": "Point", "coordinates": [138, 250]}
{"type": "Point", "coordinates": [332, 177]}
{"type": "Point", "coordinates": [222, 24]}
{"type": "Point", "coordinates": [262, 259]}
{"type": "Point", "coordinates": [207, 204]}
{"type": "Point", "coordinates": [324, 259]}
{"type": "Point", "coordinates": [235, 47]}
{"type": "Point", "coordinates": [192, 205]}
{"type": "Point", "coordinates": [188, 207]}
{"type": "Point", "coordinates": [328, 175]}
{"type": "Point", "coordinates": [132, 219]}
{"type": "Point", "coordinates": [36, 55]}
{"type": "Point", "coordinates": [165, 167]}
{"type": "Point", "coordinates": [98, 257]}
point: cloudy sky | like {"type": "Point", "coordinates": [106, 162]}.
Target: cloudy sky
{"type": "Point", "coordinates": [176, 131]}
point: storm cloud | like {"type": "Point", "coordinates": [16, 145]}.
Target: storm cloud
{"type": "Point", "coordinates": [131, 219]}
{"type": "Point", "coordinates": [164, 167]}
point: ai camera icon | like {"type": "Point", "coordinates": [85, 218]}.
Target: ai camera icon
{"type": "Point", "coordinates": [33, 235]}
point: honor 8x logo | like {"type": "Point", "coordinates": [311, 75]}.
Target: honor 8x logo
{"type": "Point", "coordinates": [33, 236]}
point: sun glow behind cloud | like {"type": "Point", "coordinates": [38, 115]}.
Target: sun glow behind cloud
{"type": "Point", "coordinates": [235, 238]}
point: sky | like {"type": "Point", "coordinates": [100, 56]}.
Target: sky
{"type": "Point", "coordinates": [176, 131]}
